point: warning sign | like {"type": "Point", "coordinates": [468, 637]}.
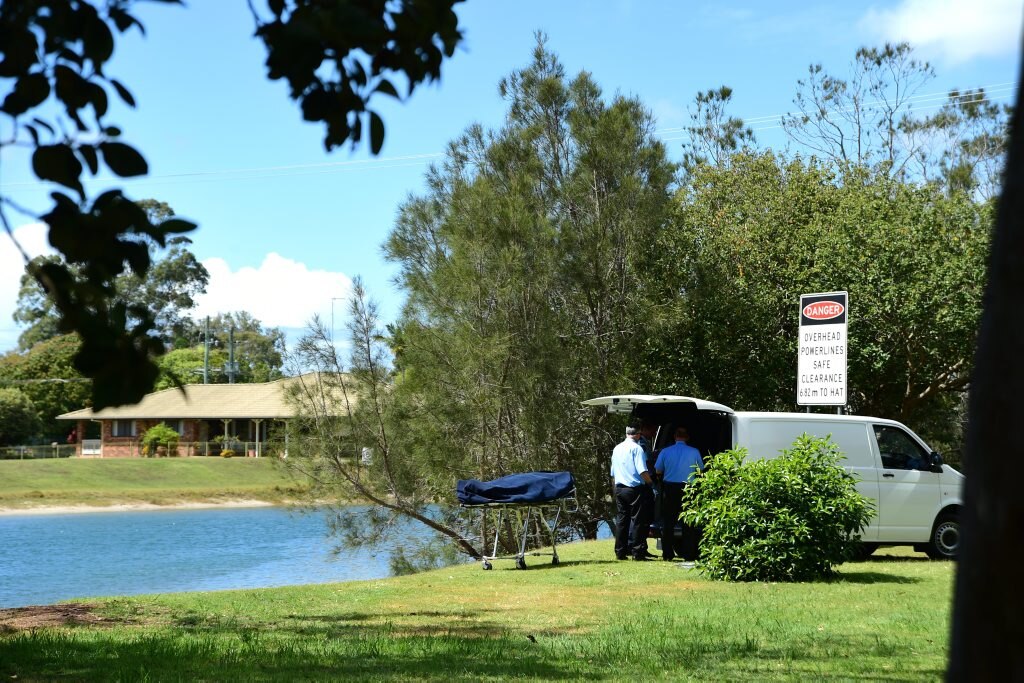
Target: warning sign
{"type": "Point", "coordinates": [821, 367]}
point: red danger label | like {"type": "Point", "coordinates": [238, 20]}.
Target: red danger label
{"type": "Point", "coordinates": [824, 310]}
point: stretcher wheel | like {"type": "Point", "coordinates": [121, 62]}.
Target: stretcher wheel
{"type": "Point", "coordinates": [487, 565]}
{"type": "Point", "coordinates": [520, 563]}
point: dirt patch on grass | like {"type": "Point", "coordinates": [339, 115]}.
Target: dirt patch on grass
{"type": "Point", "coordinates": [17, 619]}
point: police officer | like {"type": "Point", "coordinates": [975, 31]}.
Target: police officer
{"type": "Point", "coordinates": [634, 497]}
{"type": "Point", "coordinates": [677, 465]}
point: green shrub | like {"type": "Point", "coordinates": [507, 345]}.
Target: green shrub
{"type": "Point", "coordinates": [160, 436]}
{"type": "Point", "coordinates": [791, 518]}
{"type": "Point", "coordinates": [19, 419]}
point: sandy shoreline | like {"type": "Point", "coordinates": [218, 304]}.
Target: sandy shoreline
{"type": "Point", "coordinates": [128, 507]}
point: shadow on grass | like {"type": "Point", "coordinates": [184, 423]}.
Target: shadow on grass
{"type": "Point", "coordinates": [562, 564]}
{"type": "Point", "coordinates": [461, 645]}
{"type": "Point", "coordinates": [888, 559]}
{"type": "Point", "coordinates": [308, 650]}
{"type": "Point", "coordinates": [872, 577]}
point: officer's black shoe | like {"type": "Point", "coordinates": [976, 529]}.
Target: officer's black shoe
{"type": "Point", "coordinates": [641, 558]}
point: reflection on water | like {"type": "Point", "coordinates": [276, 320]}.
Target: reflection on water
{"type": "Point", "coordinates": [47, 558]}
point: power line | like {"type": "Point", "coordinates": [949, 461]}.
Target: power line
{"type": "Point", "coordinates": [411, 160]}
{"type": "Point", "coordinates": [779, 117]}
{"type": "Point", "coordinates": [942, 96]}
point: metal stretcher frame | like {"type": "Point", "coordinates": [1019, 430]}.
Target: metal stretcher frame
{"type": "Point", "coordinates": [566, 504]}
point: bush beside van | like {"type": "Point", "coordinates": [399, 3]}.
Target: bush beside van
{"type": "Point", "coordinates": [791, 518]}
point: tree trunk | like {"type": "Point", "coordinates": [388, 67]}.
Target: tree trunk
{"type": "Point", "coordinates": [988, 611]}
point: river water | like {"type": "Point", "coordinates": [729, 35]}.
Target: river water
{"type": "Point", "coordinates": [49, 557]}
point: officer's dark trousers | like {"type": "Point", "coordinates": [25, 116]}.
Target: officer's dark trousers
{"type": "Point", "coordinates": [635, 506]}
{"type": "Point", "coordinates": [671, 505]}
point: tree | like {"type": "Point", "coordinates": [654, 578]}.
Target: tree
{"type": "Point", "coordinates": [713, 136]}
{"type": "Point", "coordinates": [349, 441]}
{"type": "Point", "coordinates": [334, 57]}
{"type": "Point", "coordinates": [166, 292]}
{"type": "Point", "coordinates": [19, 420]}
{"type": "Point", "coordinates": [863, 120]}
{"type": "Point", "coordinates": [988, 604]}
{"type": "Point", "coordinates": [525, 270]}
{"type": "Point", "coordinates": [869, 120]}
{"type": "Point", "coordinates": [754, 236]}
{"type": "Point", "coordinates": [964, 144]}
{"type": "Point", "coordinates": [46, 374]}
{"type": "Point", "coordinates": [185, 366]}
{"type": "Point", "coordinates": [259, 351]}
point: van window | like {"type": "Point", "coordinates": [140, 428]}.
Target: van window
{"type": "Point", "coordinates": [898, 450]}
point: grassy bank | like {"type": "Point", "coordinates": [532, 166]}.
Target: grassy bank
{"type": "Point", "coordinates": [587, 618]}
{"type": "Point", "coordinates": [164, 481]}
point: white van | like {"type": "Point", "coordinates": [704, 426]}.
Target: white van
{"type": "Point", "coordinates": [917, 498]}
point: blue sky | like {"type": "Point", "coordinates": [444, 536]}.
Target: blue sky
{"type": "Point", "coordinates": [284, 226]}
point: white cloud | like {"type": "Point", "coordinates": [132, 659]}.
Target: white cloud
{"type": "Point", "coordinates": [279, 293]}
{"type": "Point", "coordinates": [952, 30]}
{"type": "Point", "coordinates": [32, 238]}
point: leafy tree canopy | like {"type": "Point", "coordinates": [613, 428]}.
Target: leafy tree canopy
{"type": "Point", "coordinates": [46, 374]}
{"type": "Point", "coordinates": [752, 237]}
{"type": "Point", "coordinates": [54, 54]}
{"type": "Point", "coordinates": [167, 291]}
{"type": "Point", "coordinates": [259, 351]}
{"type": "Point", "coordinates": [19, 419]}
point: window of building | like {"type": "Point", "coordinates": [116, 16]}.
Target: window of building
{"type": "Point", "coordinates": [123, 428]}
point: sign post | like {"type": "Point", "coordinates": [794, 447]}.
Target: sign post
{"type": "Point", "coordinates": [821, 366]}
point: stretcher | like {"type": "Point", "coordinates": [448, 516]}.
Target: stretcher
{"type": "Point", "coordinates": [526, 496]}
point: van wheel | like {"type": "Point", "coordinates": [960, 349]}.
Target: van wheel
{"type": "Point", "coordinates": [945, 541]}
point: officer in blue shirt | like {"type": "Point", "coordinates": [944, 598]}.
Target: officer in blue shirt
{"type": "Point", "coordinates": [677, 465]}
{"type": "Point", "coordinates": [634, 498]}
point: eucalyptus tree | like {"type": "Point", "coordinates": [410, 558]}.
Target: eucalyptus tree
{"type": "Point", "coordinates": [965, 143]}
{"type": "Point", "coordinates": [259, 351]}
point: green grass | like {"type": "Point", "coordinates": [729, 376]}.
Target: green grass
{"type": "Point", "coordinates": [33, 483]}
{"type": "Point", "coordinates": [588, 618]}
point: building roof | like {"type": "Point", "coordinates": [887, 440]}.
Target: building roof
{"type": "Point", "coordinates": [205, 402]}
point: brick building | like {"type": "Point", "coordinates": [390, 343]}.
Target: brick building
{"type": "Point", "coordinates": [206, 416]}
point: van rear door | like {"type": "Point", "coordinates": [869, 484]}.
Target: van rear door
{"type": "Point", "coordinates": [625, 403]}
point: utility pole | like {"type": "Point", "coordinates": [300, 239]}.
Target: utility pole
{"type": "Point", "coordinates": [232, 368]}
{"type": "Point", "coordinates": [206, 352]}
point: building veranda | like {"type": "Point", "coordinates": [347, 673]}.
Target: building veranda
{"type": "Point", "coordinates": [210, 419]}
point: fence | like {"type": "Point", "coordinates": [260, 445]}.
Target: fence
{"type": "Point", "coordinates": [92, 448]}
{"type": "Point", "coordinates": [250, 449]}
{"type": "Point", "coordinates": [35, 452]}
